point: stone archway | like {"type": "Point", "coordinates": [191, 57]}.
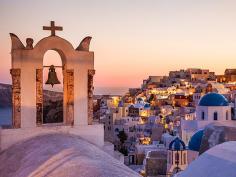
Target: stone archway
{"type": "Point", "coordinates": [27, 76]}
{"type": "Point", "coordinates": [68, 93]}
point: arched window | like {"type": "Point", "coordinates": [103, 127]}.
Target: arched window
{"type": "Point", "coordinates": [52, 57]}
{"type": "Point", "coordinates": [215, 116]}
{"type": "Point", "coordinates": [227, 115]}
{"type": "Point", "coordinates": [203, 115]}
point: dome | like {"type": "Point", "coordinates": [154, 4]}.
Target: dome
{"type": "Point", "coordinates": [147, 106]}
{"type": "Point", "coordinates": [177, 144]}
{"type": "Point", "coordinates": [140, 100]}
{"type": "Point", "coordinates": [213, 99]}
{"type": "Point", "coordinates": [195, 141]}
{"type": "Point", "coordinates": [60, 155]}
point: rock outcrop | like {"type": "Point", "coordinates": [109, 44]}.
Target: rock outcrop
{"type": "Point", "coordinates": [216, 134]}
{"type": "Point", "coordinates": [53, 103]}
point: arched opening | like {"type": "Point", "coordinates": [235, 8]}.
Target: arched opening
{"type": "Point", "coordinates": [52, 94]}
{"type": "Point", "coordinates": [177, 158]}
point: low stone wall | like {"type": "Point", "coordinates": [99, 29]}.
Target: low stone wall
{"type": "Point", "coordinates": [91, 133]}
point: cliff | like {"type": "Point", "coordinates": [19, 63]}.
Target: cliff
{"type": "Point", "coordinates": [6, 95]}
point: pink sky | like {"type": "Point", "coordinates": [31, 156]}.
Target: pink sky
{"type": "Point", "coordinates": [131, 39]}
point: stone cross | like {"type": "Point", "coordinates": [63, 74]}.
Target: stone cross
{"type": "Point", "coordinates": [53, 28]}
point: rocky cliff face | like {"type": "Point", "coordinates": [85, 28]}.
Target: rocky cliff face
{"type": "Point", "coordinates": [52, 107]}
{"type": "Point", "coordinates": [53, 103]}
{"type": "Point", "coordinates": [6, 95]}
{"type": "Point", "coordinates": [216, 134]}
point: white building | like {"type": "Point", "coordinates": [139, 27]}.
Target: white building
{"type": "Point", "coordinates": [212, 107]}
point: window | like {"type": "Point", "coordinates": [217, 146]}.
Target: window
{"type": "Point", "coordinates": [227, 115]}
{"type": "Point", "coordinates": [203, 115]}
{"type": "Point", "coordinates": [215, 116]}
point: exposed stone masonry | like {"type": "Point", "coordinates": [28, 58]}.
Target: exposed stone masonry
{"type": "Point", "coordinates": [39, 96]}
{"type": "Point", "coordinates": [70, 97]}
{"type": "Point", "coordinates": [90, 95]}
{"type": "Point", "coordinates": [16, 97]}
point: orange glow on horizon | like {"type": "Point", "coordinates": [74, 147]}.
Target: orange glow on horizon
{"type": "Point", "coordinates": [130, 41]}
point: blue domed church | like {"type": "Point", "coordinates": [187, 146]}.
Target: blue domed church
{"type": "Point", "coordinates": [212, 107]}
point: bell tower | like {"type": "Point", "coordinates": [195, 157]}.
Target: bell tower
{"type": "Point", "coordinates": [176, 157]}
{"type": "Point", "coordinates": [27, 88]}
{"type": "Point", "coordinates": [78, 71]}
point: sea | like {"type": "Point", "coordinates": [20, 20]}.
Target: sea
{"type": "Point", "coordinates": [5, 116]}
{"type": "Point", "coordinates": [98, 90]}
{"type": "Point", "coordinates": [110, 90]}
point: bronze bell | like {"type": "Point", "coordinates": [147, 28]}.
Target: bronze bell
{"type": "Point", "coordinates": [52, 76]}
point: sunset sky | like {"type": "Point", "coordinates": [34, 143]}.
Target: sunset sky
{"type": "Point", "coordinates": [132, 39]}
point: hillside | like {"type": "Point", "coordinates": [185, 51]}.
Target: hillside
{"type": "Point", "coordinates": [52, 104]}
{"type": "Point", "coordinates": [6, 94]}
